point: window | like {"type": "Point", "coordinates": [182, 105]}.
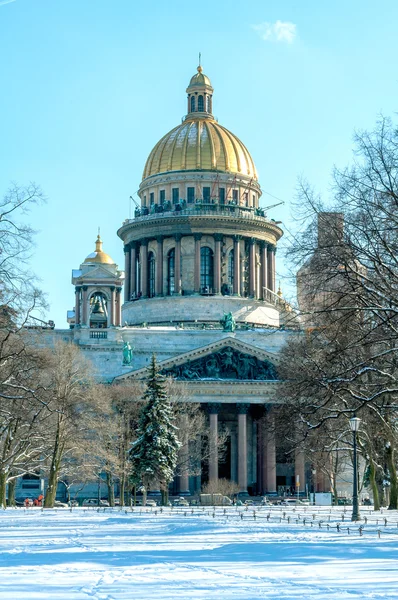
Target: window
{"type": "Point", "coordinates": [191, 195]}
{"type": "Point", "coordinates": [206, 270]}
{"type": "Point", "coordinates": [171, 271]}
{"type": "Point", "coordinates": [200, 103]}
{"type": "Point", "coordinates": [254, 200]}
{"type": "Point", "coordinates": [235, 196]}
{"type": "Point", "coordinates": [246, 198]}
{"type": "Point", "coordinates": [151, 198]}
{"type": "Point", "coordinates": [206, 194]}
{"type": "Point", "coordinates": [231, 267]}
{"type": "Point", "coordinates": [144, 200]}
{"type": "Point", "coordinates": [175, 195]}
{"type": "Point", "coordinates": [208, 103]}
{"type": "Point", "coordinates": [221, 195]}
{"type": "Point", "coordinates": [192, 103]}
{"type": "Point", "coordinates": [151, 275]}
{"type": "Point", "coordinates": [162, 197]}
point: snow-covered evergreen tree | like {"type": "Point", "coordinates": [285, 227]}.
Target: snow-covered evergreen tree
{"type": "Point", "coordinates": [155, 452]}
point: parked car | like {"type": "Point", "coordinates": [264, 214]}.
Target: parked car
{"type": "Point", "coordinates": [151, 502]}
{"type": "Point", "coordinates": [180, 502]}
{"type": "Point", "coordinates": [94, 502]}
{"type": "Point", "coordinates": [289, 502]}
{"type": "Point", "coordinates": [58, 504]}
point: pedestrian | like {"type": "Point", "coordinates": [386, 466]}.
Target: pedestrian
{"type": "Point", "coordinates": [27, 502]}
{"type": "Point", "coordinates": [40, 499]}
{"type": "Point", "coordinates": [35, 502]}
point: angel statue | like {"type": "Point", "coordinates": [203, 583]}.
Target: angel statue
{"type": "Point", "coordinates": [228, 322]}
{"type": "Point", "coordinates": [127, 353]}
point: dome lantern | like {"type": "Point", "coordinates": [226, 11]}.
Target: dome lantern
{"type": "Point", "coordinates": [200, 95]}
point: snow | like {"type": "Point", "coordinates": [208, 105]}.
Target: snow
{"type": "Point", "coordinates": [179, 553]}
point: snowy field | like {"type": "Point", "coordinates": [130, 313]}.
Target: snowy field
{"type": "Point", "coordinates": [274, 553]}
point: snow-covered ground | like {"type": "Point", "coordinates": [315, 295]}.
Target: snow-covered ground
{"type": "Point", "coordinates": [117, 554]}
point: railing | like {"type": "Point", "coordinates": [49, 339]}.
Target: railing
{"type": "Point", "coordinates": [98, 335]}
{"type": "Point", "coordinates": [199, 208]}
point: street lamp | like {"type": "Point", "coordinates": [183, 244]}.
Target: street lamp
{"type": "Point", "coordinates": [354, 426]}
{"type": "Point", "coordinates": [313, 471]}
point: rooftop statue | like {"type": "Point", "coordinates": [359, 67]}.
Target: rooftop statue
{"type": "Point", "coordinates": [228, 322]}
{"type": "Point", "coordinates": [127, 353]}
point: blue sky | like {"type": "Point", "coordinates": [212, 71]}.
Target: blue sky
{"type": "Point", "coordinates": [88, 88]}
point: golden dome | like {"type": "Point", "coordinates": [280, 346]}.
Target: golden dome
{"type": "Point", "coordinates": [200, 143]}
{"type": "Point", "coordinates": [199, 79]}
{"type": "Point", "coordinates": [99, 256]}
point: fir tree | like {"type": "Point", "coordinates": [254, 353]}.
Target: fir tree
{"type": "Point", "coordinates": [154, 454]}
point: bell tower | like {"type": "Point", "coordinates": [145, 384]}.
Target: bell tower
{"type": "Point", "coordinates": [98, 285]}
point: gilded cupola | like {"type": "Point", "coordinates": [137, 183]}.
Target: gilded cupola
{"type": "Point", "coordinates": [98, 256]}
{"type": "Point", "coordinates": [200, 142]}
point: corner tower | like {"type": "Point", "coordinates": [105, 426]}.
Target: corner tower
{"type": "Point", "coordinates": [199, 244]}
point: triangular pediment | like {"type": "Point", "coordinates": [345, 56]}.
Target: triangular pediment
{"type": "Point", "coordinates": [226, 359]}
{"type": "Point", "coordinates": [99, 272]}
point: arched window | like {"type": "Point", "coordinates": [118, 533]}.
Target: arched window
{"type": "Point", "coordinates": [151, 275]}
{"type": "Point", "coordinates": [208, 103]}
{"type": "Point", "coordinates": [192, 103]}
{"type": "Point", "coordinates": [200, 104]}
{"type": "Point", "coordinates": [171, 272]}
{"type": "Point", "coordinates": [231, 268]}
{"type": "Point", "coordinates": [206, 270]}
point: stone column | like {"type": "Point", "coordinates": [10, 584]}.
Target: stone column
{"type": "Point", "coordinates": [85, 307]}
{"type": "Point", "coordinates": [127, 259]}
{"type": "Point", "coordinates": [159, 267]}
{"type": "Point", "coordinates": [263, 269]}
{"type": "Point", "coordinates": [77, 305]}
{"type": "Point", "coordinates": [242, 447]}
{"type": "Point", "coordinates": [236, 290]}
{"type": "Point", "coordinates": [261, 455]}
{"type": "Point", "coordinates": [271, 453]}
{"type": "Point", "coordinates": [144, 268]}
{"type": "Point", "coordinates": [118, 318]}
{"type": "Point", "coordinates": [252, 268]}
{"type": "Point", "coordinates": [112, 308]}
{"type": "Point", "coordinates": [213, 410]}
{"type": "Point", "coordinates": [133, 271]}
{"type": "Point", "coordinates": [183, 481]}
{"type": "Point", "coordinates": [270, 267]}
{"type": "Point", "coordinates": [217, 263]}
{"type": "Point", "coordinates": [299, 471]}
{"type": "Point", "coordinates": [234, 455]}
{"type": "Point", "coordinates": [177, 265]}
{"type": "Point", "coordinates": [197, 237]}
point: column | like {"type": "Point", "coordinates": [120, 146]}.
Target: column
{"type": "Point", "coordinates": [177, 265]}
{"type": "Point", "coordinates": [197, 237]}
{"type": "Point", "coordinates": [242, 447]}
{"type": "Point", "coordinates": [236, 290]}
{"type": "Point", "coordinates": [133, 271]}
{"type": "Point", "coordinates": [112, 309]}
{"type": "Point", "coordinates": [217, 263]}
{"type": "Point", "coordinates": [213, 410]}
{"type": "Point", "coordinates": [234, 454]}
{"type": "Point", "coordinates": [183, 480]}
{"type": "Point", "coordinates": [127, 259]}
{"type": "Point", "coordinates": [299, 471]}
{"type": "Point", "coordinates": [252, 268]}
{"type": "Point", "coordinates": [118, 318]}
{"type": "Point", "coordinates": [271, 453]}
{"type": "Point", "coordinates": [144, 268]}
{"type": "Point", "coordinates": [270, 272]}
{"type": "Point", "coordinates": [263, 270]}
{"type": "Point", "coordinates": [159, 267]}
{"type": "Point", "coordinates": [84, 303]}
{"type": "Point", "coordinates": [77, 305]}
{"type": "Point", "coordinates": [261, 454]}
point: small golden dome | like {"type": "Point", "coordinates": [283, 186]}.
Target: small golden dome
{"type": "Point", "coordinates": [199, 79]}
{"type": "Point", "coordinates": [99, 256]}
{"type": "Point", "coordinates": [200, 143]}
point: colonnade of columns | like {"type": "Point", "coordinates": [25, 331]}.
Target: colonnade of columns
{"type": "Point", "coordinates": [253, 273]}
{"type": "Point", "coordinates": [83, 293]}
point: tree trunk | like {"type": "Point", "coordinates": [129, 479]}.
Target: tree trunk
{"type": "Point", "coordinates": [54, 470]}
{"type": "Point", "coordinates": [373, 484]}
{"type": "Point", "coordinates": [393, 505]}
{"type": "Point", "coordinates": [11, 492]}
{"type": "Point", "coordinates": [111, 488]}
{"type": "Point", "coordinates": [3, 489]}
{"type": "Point", "coordinates": [122, 489]}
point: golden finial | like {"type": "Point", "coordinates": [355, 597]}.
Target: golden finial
{"type": "Point", "coordinates": [200, 66]}
{"type": "Point", "coordinates": [279, 292]}
{"type": "Point", "coordinates": [98, 243]}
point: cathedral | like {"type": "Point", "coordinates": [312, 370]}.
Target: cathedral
{"type": "Point", "coordinates": [198, 289]}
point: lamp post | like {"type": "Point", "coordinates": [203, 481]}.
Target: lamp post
{"type": "Point", "coordinates": [313, 471]}
{"type": "Point", "coordinates": [354, 426]}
